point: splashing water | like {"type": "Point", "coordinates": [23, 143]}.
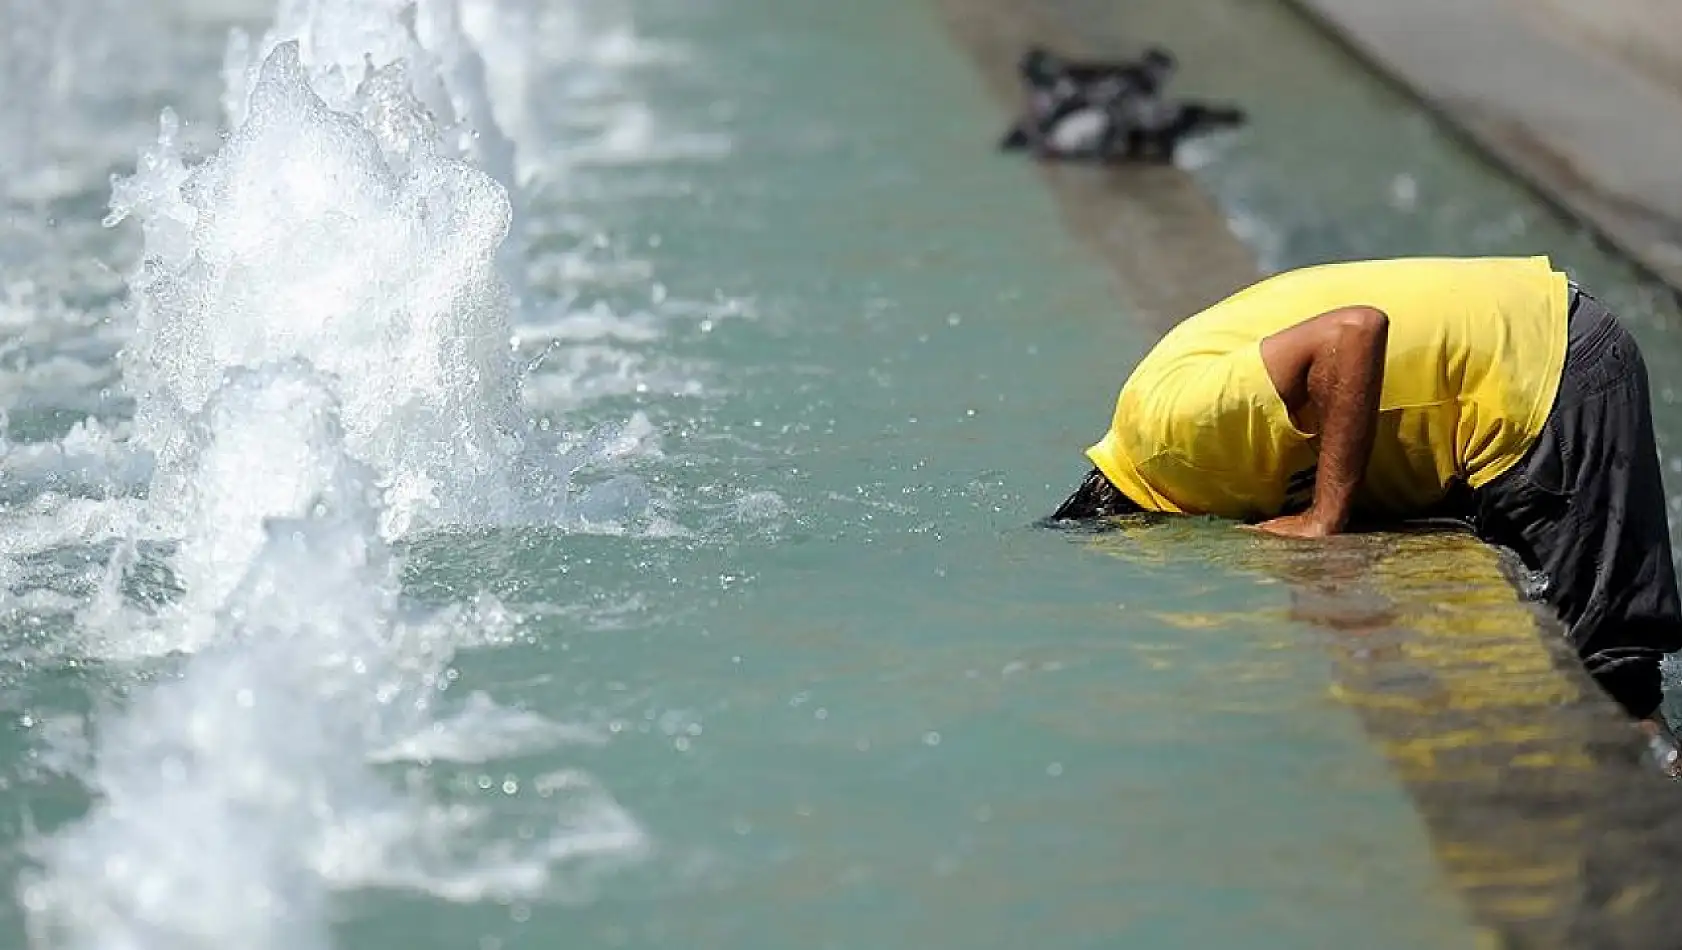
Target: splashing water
{"type": "Point", "coordinates": [52, 59]}
{"type": "Point", "coordinates": [320, 364]}
{"type": "Point", "coordinates": [234, 799]}
{"type": "Point", "coordinates": [344, 43]}
{"type": "Point", "coordinates": [370, 256]}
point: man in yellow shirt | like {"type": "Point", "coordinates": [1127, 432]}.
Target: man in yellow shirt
{"type": "Point", "coordinates": [1489, 388]}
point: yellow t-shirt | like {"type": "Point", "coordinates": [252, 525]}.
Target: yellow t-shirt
{"type": "Point", "coordinates": [1473, 360]}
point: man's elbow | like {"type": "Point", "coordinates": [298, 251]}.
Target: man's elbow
{"type": "Point", "coordinates": [1369, 322]}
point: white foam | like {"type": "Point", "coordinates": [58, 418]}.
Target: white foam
{"type": "Point", "coordinates": [92, 459]}
{"type": "Point", "coordinates": [634, 136]}
{"type": "Point", "coordinates": [371, 256]}
{"type": "Point", "coordinates": [344, 44]}
{"type": "Point", "coordinates": [262, 448]}
{"type": "Point", "coordinates": [760, 507]}
{"type": "Point", "coordinates": [52, 354]}
{"type": "Point", "coordinates": [604, 38]}
{"type": "Point", "coordinates": [573, 376]}
{"type": "Point", "coordinates": [55, 63]}
{"type": "Point", "coordinates": [506, 32]}
{"type": "Point", "coordinates": [483, 731]}
{"type": "Point", "coordinates": [597, 323]}
{"type": "Point", "coordinates": [424, 852]}
{"type": "Point", "coordinates": [321, 362]}
{"type": "Point", "coordinates": [622, 46]}
{"type": "Point", "coordinates": [234, 799]}
{"type": "Point", "coordinates": [49, 552]}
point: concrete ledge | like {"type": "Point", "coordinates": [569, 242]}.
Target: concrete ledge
{"type": "Point", "coordinates": [1530, 783]}
{"type": "Point", "coordinates": [1596, 137]}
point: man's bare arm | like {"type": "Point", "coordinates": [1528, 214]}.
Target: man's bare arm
{"type": "Point", "coordinates": [1329, 371]}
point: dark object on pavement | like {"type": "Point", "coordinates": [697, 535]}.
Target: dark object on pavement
{"type": "Point", "coordinates": [1107, 112]}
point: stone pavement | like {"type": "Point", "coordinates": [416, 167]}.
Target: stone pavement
{"type": "Point", "coordinates": [1581, 100]}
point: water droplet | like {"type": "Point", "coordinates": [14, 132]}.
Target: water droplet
{"type": "Point", "coordinates": [1404, 192]}
{"type": "Point", "coordinates": [931, 738]}
{"type": "Point", "coordinates": [510, 785]}
{"type": "Point", "coordinates": [484, 782]}
{"type": "Point", "coordinates": [1054, 769]}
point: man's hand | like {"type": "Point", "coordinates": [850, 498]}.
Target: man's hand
{"type": "Point", "coordinates": [1329, 372]}
{"type": "Point", "coordinates": [1305, 525]}
{"type": "Point", "coordinates": [1665, 746]}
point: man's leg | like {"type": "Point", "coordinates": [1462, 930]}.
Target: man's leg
{"type": "Point", "coordinates": [1587, 508]}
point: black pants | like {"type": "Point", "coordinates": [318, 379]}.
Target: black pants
{"type": "Point", "coordinates": [1586, 507]}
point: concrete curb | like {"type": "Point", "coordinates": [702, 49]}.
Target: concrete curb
{"type": "Point", "coordinates": [1595, 139]}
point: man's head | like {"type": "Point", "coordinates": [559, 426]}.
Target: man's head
{"type": "Point", "coordinates": [1095, 498]}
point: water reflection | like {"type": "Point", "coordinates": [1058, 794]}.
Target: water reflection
{"type": "Point", "coordinates": [1539, 802]}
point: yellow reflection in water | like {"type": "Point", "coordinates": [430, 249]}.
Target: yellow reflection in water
{"type": "Point", "coordinates": [1528, 779]}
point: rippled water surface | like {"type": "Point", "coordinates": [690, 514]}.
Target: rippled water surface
{"type": "Point", "coordinates": [512, 474]}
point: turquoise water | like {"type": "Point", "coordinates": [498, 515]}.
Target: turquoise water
{"type": "Point", "coordinates": [924, 719]}
{"type": "Point", "coordinates": [794, 666]}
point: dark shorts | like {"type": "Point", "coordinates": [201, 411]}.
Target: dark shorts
{"type": "Point", "coordinates": [1586, 507]}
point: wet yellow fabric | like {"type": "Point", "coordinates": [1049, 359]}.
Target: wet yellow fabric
{"type": "Point", "coordinates": [1475, 351]}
